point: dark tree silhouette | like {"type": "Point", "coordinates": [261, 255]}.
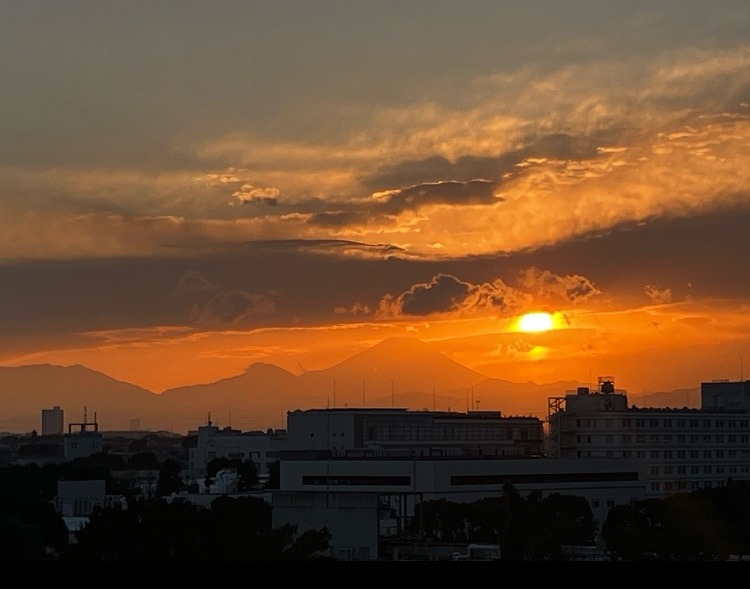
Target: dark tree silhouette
{"type": "Point", "coordinates": [169, 478]}
{"type": "Point", "coordinates": [144, 461]}
{"type": "Point", "coordinates": [247, 471]}
{"type": "Point", "coordinates": [160, 530]}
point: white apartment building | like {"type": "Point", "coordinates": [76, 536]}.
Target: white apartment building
{"type": "Point", "coordinates": [84, 442]}
{"type": "Point", "coordinates": [260, 447]}
{"type": "Point", "coordinates": [682, 449]}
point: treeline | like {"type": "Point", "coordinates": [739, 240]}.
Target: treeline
{"type": "Point", "coordinates": [711, 524]}
{"type": "Point", "coordinates": [708, 524]}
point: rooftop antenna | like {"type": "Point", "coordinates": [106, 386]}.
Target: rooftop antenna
{"type": "Point", "coordinates": [209, 418]}
{"type": "Point", "coordinates": [85, 414]}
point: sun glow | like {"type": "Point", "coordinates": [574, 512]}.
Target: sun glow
{"type": "Point", "coordinates": [533, 322]}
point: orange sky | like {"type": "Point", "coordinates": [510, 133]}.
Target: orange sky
{"type": "Point", "coordinates": [178, 206]}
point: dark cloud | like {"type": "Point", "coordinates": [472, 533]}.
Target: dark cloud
{"type": "Point", "coordinates": [230, 308]}
{"type": "Point", "coordinates": [330, 247]}
{"type": "Point", "coordinates": [571, 288]}
{"type": "Point", "coordinates": [193, 281]}
{"type": "Point", "coordinates": [451, 192]}
{"type": "Point", "coordinates": [446, 294]}
{"type": "Point", "coordinates": [696, 257]}
{"type": "Point", "coordinates": [438, 169]}
{"type": "Point", "coordinates": [443, 293]}
{"type": "Point", "coordinates": [337, 218]}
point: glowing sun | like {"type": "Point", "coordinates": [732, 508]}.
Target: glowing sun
{"type": "Point", "coordinates": [535, 322]}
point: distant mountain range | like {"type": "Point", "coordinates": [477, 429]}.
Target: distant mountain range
{"type": "Point", "coordinates": [398, 372]}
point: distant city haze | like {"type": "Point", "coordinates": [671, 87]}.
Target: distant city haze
{"type": "Point", "coordinates": [398, 372]}
{"type": "Point", "coordinates": [252, 197]}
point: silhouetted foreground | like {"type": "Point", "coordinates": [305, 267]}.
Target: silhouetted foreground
{"type": "Point", "coordinates": [711, 524]}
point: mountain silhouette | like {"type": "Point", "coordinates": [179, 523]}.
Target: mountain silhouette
{"type": "Point", "coordinates": [26, 390]}
{"type": "Point", "coordinates": [397, 372]}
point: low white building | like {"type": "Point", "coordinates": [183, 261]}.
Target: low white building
{"type": "Point", "coordinates": [76, 500]}
{"type": "Point", "coordinates": [347, 495]}
{"type": "Point", "coordinates": [262, 448]}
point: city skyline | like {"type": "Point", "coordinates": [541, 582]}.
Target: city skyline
{"type": "Point", "coordinates": [190, 190]}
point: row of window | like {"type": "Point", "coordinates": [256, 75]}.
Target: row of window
{"type": "Point", "coordinates": [683, 485]}
{"type": "Point", "coordinates": [669, 439]}
{"type": "Point", "coordinates": [701, 469]}
{"type": "Point", "coordinates": [681, 423]}
{"type": "Point", "coordinates": [672, 454]}
{"type": "Point", "coordinates": [390, 432]}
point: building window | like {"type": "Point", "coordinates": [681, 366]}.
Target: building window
{"type": "Point", "coordinates": [640, 423]}
{"type": "Point", "coordinates": [610, 502]}
{"type": "Point", "coordinates": [654, 470]}
{"type": "Point", "coordinates": [654, 423]}
{"type": "Point", "coordinates": [667, 423]}
{"type": "Point", "coordinates": [627, 439]}
{"type": "Point", "coordinates": [693, 423]}
{"type": "Point", "coordinates": [626, 423]}
{"type": "Point", "coordinates": [706, 453]}
{"type": "Point", "coordinates": [681, 454]}
{"type": "Point", "coordinates": [668, 470]}
{"type": "Point", "coordinates": [668, 438]}
{"type": "Point", "coordinates": [720, 439]}
{"type": "Point", "coordinates": [667, 453]}
{"type": "Point", "coordinates": [707, 469]}
{"type": "Point", "coordinates": [681, 469]}
{"type": "Point", "coordinates": [641, 439]}
{"type": "Point", "coordinates": [706, 423]}
{"type": "Point", "coordinates": [720, 454]}
{"type": "Point", "coordinates": [654, 454]}
{"type": "Point", "coordinates": [654, 486]}
{"type": "Point", "coordinates": [609, 439]}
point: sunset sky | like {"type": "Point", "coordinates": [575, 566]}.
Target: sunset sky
{"type": "Point", "coordinates": [190, 187]}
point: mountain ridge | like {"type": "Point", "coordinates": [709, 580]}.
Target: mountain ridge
{"type": "Point", "coordinates": [397, 372]}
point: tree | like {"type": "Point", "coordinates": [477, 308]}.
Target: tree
{"type": "Point", "coordinates": [169, 478]}
{"type": "Point", "coordinates": [144, 461]}
{"type": "Point", "coordinates": [247, 471]}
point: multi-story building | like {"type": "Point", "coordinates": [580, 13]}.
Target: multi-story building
{"type": "Point", "coordinates": [52, 421]}
{"type": "Point", "coordinates": [343, 466]}
{"type": "Point", "coordinates": [682, 449]}
{"type": "Point", "coordinates": [83, 441]}
{"type": "Point", "coordinates": [393, 431]}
